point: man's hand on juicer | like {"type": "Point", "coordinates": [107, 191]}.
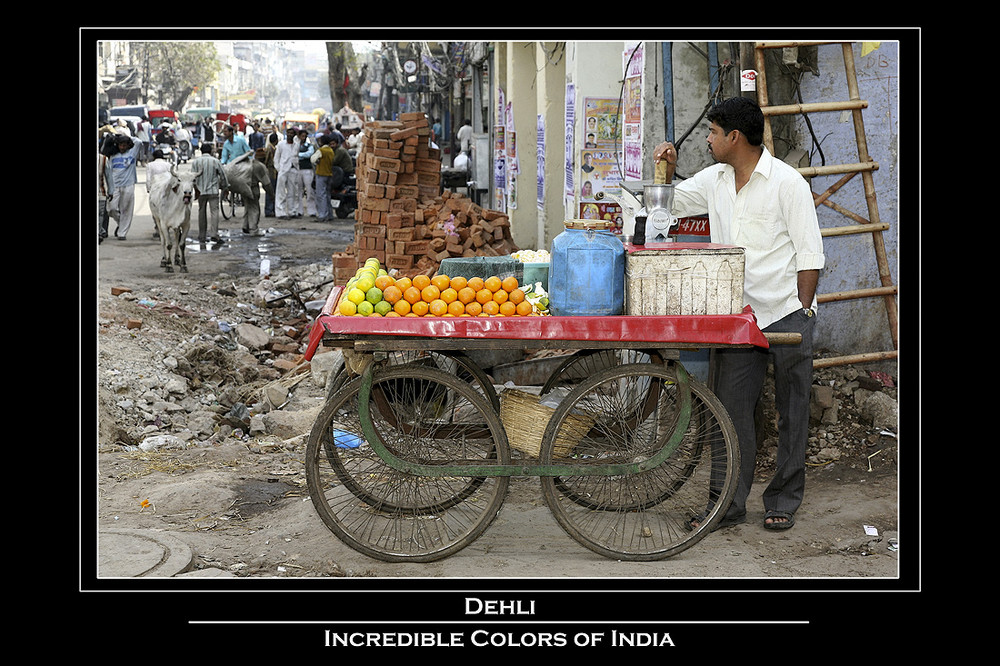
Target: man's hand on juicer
{"type": "Point", "coordinates": [665, 151]}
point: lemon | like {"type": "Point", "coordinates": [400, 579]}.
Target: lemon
{"type": "Point", "coordinates": [365, 283]}
{"type": "Point", "coordinates": [382, 308]}
{"type": "Point", "coordinates": [365, 308]}
{"type": "Point", "coordinates": [373, 295]}
{"type": "Point", "coordinates": [356, 295]}
{"type": "Point", "coordinates": [348, 308]}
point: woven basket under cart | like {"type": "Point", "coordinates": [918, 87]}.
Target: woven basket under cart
{"type": "Point", "coordinates": [524, 418]}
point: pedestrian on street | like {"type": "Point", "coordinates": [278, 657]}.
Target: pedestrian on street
{"type": "Point", "coordinates": [120, 171]}
{"type": "Point", "coordinates": [233, 146]}
{"type": "Point", "coordinates": [288, 197]}
{"type": "Point", "coordinates": [464, 136]}
{"type": "Point", "coordinates": [105, 134]}
{"type": "Point", "coordinates": [324, 166]}
{"type": "Point", "coordinates": [758, 202]}
{"type": "Point", "coordinates": [209, 179]}
{"type": "Point", "coordinates": [269, 148]}
{"type": "Point", "coordinates": [157, 166]}
{"type": "Point", "coordinates": [343, 165]}
{"type": "Point", "coordinates": [306, 149]}
{"type": "Point", "coordinates": [144, 133]}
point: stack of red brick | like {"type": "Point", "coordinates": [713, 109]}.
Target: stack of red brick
{"type": "Point", "coordinates": [403, 218]}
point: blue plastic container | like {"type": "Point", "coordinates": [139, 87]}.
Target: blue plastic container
{"type": "Point", "coordinates": [587, 270]}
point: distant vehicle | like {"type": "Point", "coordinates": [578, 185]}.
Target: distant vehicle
{"type": "Point", "coordinates": [159, 116]}
{"type": "Point", "coordinates": [137, 110]}
{"type": "Point", "coordinates": [197, 114]}
{"type": "Point", "coordinates": [308, 121]}
{"type": "Point", "coordinates": [237, 120]}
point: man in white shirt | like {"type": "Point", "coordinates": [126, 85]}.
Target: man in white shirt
{"type": "Point", "coordinates": [758, 202]}
{"type": "Point", "coordinates": [288, 194]}
{"type": "Point", "coordinates": [464, 136]}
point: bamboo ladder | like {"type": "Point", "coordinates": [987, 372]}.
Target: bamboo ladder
{"type": "Point", "coordinates": [865, 166]}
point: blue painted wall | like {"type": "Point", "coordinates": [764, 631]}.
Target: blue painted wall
{"type": "Point", "coordinates": [857, 326]}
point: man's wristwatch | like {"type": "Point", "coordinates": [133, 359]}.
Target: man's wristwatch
{"type": "Point", "coordinates": [809, 312]}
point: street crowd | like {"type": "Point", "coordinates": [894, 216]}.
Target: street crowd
{"type": "Point", "coordinates": [304, 167]}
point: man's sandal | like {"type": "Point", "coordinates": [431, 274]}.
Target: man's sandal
{"type": "Point", "coordinates": [787, 522]}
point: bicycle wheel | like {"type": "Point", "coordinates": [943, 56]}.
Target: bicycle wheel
{"type": "Point", "coordinates": [646, 515]}
{"type": "Point", "coordinates": [421, 415]}
{"type": "Point", "coordinates": [456, 363]}
{"type": "Point", "coordinates": [227, 206]}
{"type": "Point", "coordinates": [585, 363]}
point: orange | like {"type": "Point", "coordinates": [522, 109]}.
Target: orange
{"type": "Point", "coordinates": [500, 296]}
{"type": "Point", "coordinates": [456, 308]}
{"type": "Point", "coordinates": [420, 308]}
{"type": "Point", "coordinates": [516, 296]}
{"type": "Point", "coordinates": [467, 295]}
{"type": "Point", "coordinates": [476, 283]}
{"type": "Point", "coordinates": [411, 314]}
{"type": "Point", "coordinates": [401, 307]}
{"type": "Point", "coordinates": [524, 308]}
{"type": "Point", "coordinates": [429, 293]}
{"type": "Point", "coordinates": [458, 283]}
{"type": "Point", "coordinates": [442, 282]}
{"type": "Point", "coordinates": [473, 309]}
{"type": "Point", "coordinates": [391, 294]}
{"type": "Point", "coordinates": [421, 281]}
{"type": "Point", "coordinates": [508, 309]}
{"type": "Point", "coordinates": [484, 295]}
{"type": "Point", "coordinates": [509, 283]}
{"type": "Point", "coordinates": [438, 308]}
{"type": "Point", "coordinates": [412, 295]}
{"type": "Point", "coordinates": [404, 283]}
{"type": "Point", "coordinates": [448, 295]}
{"type": "Point", "coordinates": [493, 283]}
{"type": "Point", "coordinates": [491, 308]}
{"type": "Point", "coordinates": [392, 313]}
{"type": "Point", "coordinates": [383, 281]}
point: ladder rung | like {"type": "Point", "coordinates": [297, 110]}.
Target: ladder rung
{"type": "Point", "coordinates": [815, 107]}
{"type": "Point", "coordinates": [855, 229]}
{"type": "Point", "coordinates": [792, 45]}
{"type": "Point", "coordinates": [857, 293]}
{"type": "Point", "coordinates": [829, 169]}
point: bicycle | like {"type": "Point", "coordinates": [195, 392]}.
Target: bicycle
{"type": "Point", "coordinates": [229, 203]}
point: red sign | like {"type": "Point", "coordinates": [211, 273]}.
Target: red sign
{"type": "Point", "coordinates": [693, 226]}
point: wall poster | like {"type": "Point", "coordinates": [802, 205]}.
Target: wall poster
{"type": "Point", "coordinates": [598, 172]}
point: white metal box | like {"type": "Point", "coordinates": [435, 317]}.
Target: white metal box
{"type": "Point", "coordinates": [684, 279]}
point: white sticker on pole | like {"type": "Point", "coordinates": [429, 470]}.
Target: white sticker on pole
{"type": "Point", "coordinates": [748, 80]}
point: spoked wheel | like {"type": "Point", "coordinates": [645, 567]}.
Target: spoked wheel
{"type": "Point", "coordinates": [587, 362]}
{"type": "Point", "coordinates": [422, 415]}
{"type": "Point", "coordinates": [231, 205]}
{"type": "Point", "coordinates": [456, 363]}
{"type": "Point", "coordinates": [645, 515]}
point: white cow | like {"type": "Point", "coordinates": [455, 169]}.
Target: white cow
{"type": "Point", "coordinates": [170, 197]}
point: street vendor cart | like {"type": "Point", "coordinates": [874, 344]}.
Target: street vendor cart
{"type": "Point", "coordinates": [411, 456]}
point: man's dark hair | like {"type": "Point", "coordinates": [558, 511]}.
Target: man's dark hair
{"type": "Point", "coordinates": [741, 114]}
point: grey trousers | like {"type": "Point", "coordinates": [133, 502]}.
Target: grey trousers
{"type": "Point", "coordinates": [741, 374]}
{"type": "Point", "coordinates": [208, 216]}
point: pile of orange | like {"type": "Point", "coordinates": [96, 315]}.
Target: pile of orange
{"type": "Point", "coordinates": [442, 296]}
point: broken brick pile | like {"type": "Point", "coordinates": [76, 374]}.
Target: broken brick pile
{"type": "Point", "coordinates": [404, 219]}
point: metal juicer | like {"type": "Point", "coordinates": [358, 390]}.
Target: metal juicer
{"type": "Point", "coordinates": [649, 200]}
{"type": "Point", "coordinates": [658, 199]}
